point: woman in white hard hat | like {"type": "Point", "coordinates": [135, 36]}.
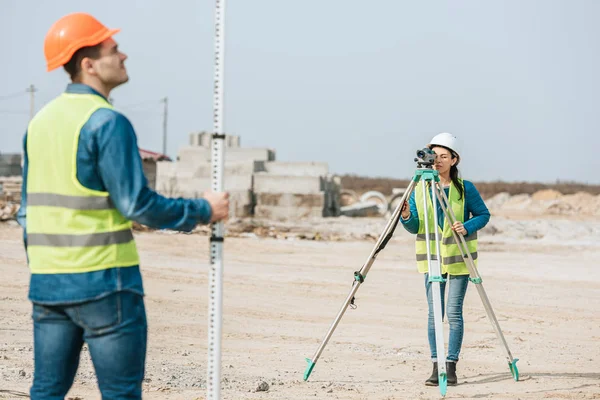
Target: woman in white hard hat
{"type": "Point", "coordinates": [471, 215]}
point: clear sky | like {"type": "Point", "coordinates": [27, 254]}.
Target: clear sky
{"type": "Point", "coordinates": [358, 84]}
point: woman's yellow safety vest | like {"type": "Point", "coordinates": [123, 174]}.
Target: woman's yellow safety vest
{"type": "Point", "coordinates": [452, 260]}
{"type": "Point", "coordinates": [70, 228]}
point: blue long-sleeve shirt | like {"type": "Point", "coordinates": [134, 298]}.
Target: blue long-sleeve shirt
{"type": "Point", "coordinates": [476, 214]}
{"type": "Point", "coordinates": [108, 160]}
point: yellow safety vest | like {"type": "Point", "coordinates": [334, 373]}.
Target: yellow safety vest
{"type": "Point", "coordinates": [70, 228]}
{"type": "Point", "coordinates": [452, 260]}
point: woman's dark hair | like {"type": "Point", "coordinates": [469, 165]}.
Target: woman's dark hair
{"type": "Point", "coordinates": [453, 171]}
{"type": "Point", "coordinates": [73, 67]}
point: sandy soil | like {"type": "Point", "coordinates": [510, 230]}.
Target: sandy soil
{"type": "Point", "coordinates": [281, 296]}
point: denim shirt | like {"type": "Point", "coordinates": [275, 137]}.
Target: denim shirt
{"type": "Point", "coordinates": [108, 160]}
{"type": "Point", "coordinates": [476, 214]}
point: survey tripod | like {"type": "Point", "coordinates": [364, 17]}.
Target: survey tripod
{"type": "Point", "coordinates": [430, 177]}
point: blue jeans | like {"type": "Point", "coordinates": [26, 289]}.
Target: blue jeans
{"type": "Point", "coordinates": [115, 330]}
{"type": "Point", "coordinates": [456, 297]}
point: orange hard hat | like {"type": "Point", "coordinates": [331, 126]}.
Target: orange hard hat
{"type": "Point", "coordinates": [71, 33]}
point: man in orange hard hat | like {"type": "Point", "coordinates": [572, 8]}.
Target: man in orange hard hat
{"type": "Point", "coordinates": [83, 184]}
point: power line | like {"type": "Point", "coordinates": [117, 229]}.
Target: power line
{"type": "Point", "coordinates": [12, 95]}
{"type": "Point", "coordinates": [13, 112]}
{"type": "Point", "coordinates": [147, 103]}
{"type": "Point", "coordinates": [31, 90]}
{"type": "Point", "coordinates": [143, 112]}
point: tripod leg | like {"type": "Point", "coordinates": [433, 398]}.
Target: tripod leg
{"type": "Point", "coordinates": [359, 276]}
{"type": "Point", "coordinates": [435, 278]}
{"type": "Point", "coordinates": [476, 279]}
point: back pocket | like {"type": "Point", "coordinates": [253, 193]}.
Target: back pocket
{"type": "Point", "coordinates": [100, 314]}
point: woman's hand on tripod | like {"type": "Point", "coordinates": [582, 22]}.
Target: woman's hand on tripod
{"type": "Point", "coordinates": [458, 227]}
{"type": "Point", "coordinates": [405, 211]}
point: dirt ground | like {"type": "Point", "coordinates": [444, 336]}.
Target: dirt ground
{"type": "Point", "coordinates": [281, 295]}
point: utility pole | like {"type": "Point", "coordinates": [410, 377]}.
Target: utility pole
{"type": "Point", "coordinates": [31, 89]}
{"type": "Point", "coordinates": [165, 111]}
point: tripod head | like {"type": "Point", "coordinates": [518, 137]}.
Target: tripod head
{"type": "Point", "coordinates": [425, 158]}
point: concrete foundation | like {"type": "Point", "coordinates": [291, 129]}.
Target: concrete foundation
{"type": "Point", "coordinates": [265, 183]}
{"type": "Point", "coordinates": [284, 212]}
{"type": "Point", "coordinates": [197, 186]}
{"type": "Point", "coordinates": [291, 200]}
{"type": "Point", "coordinates": [258, 185]}
{"type": "Point", "coordinates": [204, 170]}
{"type": "Point", "coordinates": [296, 168]}
{"type": "Point", "coordinates": [200, 155]}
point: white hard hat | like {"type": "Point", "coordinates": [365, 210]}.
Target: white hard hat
{"type": "Point", "coordinates": [447, 140]}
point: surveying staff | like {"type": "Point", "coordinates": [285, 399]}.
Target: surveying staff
{"type": "Point", "coordinates": [83, 184]}
{"type": "Point", "coordinates": [471, 216]}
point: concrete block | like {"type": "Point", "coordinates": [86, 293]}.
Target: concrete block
{"type": "Point", "coordinates": [232, 140]}
{"type": "Point", "coordinates": [182, 170]}
{"type": "Point", "coordinates": [167, 186]}
{"type": "Point", "coordinates": [291, 200]}
{"type": "Point", "coordinates": [10, 159]}
{"type": "Point", "coordinates": [297, 168]}
{"type": "Point", "coordinates": [234, 168]}
{"type": "Point", "coordinates": [265, 183]}
{"type": "Point", "coordinates": [11, 164]}
{"type": "Point", "coordinates": [256, 154]}
{"type": "Point", "coordinates": [166, 168]}
{"type": "Point", "coordinates": [204, 139]}
{"type": "Point", "coordinates": [368, 209]}
{"type": "Point", "coordinates": [200, 155]}
{"type": "Point", "coordinates": [241, 203]}
{"type": "Point", "coordinates": [200, 139]}
{"type": "Point", "coordinates": [149, 167]}
{"type": "Point", "coordinates": [332, 188]}
{"type": "Point", "coordinates": [191, 155]}
{"type": "Point", "coordinates": [166, 178]}
{"type": "Point", "coordinates": [200, 185]}
{"type": "Point", "coordinates": [283, 212]}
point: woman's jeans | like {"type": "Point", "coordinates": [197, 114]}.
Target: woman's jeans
{"type": "Point", "coordinates": [115, 330]}
{"type": "Point", "coordinates": [456, 297]}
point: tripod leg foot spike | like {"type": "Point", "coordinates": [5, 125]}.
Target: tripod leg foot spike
{"type": "Point", "coordinates": [443, 383]}
{"type": "Point", "coordinates": [514, 370]}
{"type": "Point", "coordinates": [309, 369]}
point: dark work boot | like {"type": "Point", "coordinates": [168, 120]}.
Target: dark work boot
{"type": "Point", "coordinates": [451, 373]}
{"type": "Point", "coordinates": [433, 379]}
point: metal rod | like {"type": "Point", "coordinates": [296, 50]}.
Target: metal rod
{"type": "Point", "coordinates": [165, 113]}
{"type": "Point", "coordinates": [215, 280]}
{"type": "Point", "coordinates": [435, 272]}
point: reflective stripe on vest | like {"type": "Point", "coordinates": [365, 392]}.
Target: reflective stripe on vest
{"type": "Point", "coordinates": [73, 202]}
{"type": "Point", "coordinates": [93, 239]}
{"type": "Point", "coordinates": [446, 240]}
{"type": "Point", "coordinates": [70, 228]}
{"type": "Point", "coordinates": [452, 259]}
